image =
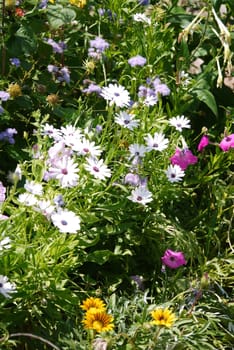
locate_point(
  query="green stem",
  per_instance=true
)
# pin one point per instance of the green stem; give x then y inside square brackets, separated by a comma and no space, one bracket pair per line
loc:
[30,335]
[2,34]
[155,338]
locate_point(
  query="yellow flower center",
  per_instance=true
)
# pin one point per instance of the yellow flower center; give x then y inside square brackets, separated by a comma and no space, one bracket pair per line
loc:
[98,325]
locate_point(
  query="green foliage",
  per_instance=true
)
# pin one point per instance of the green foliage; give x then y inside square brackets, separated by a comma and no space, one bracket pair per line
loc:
[116,253]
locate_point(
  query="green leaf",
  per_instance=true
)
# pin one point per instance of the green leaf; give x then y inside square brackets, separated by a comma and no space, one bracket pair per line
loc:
[208,98]
[23,41]
[100,256]
[59,16]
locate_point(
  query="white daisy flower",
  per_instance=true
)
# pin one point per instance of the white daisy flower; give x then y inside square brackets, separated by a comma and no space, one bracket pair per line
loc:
[58,151]
[141,195]
[87,148]
[97,168]
[71,135]
[116,94]
[66,221]
[5,243]
[126,120]
[141,17]
[137,150]
[6,287]
[33,187]
[27,199]
[158,142]
[150,100]
[51,131]
[180,122]
[175,173]
[184,78]
[45,207]
[64,170]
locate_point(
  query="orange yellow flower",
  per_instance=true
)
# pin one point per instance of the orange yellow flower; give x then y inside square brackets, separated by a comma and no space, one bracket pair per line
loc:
[93,304]
[78,3]
[163,317]
[99,321]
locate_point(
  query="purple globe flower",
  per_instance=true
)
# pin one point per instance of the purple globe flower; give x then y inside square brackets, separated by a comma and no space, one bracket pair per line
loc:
[173,259]
[15,61]
[137,61]
[8,135]
[4,96]
[57,47]
[92,88]
[99,44]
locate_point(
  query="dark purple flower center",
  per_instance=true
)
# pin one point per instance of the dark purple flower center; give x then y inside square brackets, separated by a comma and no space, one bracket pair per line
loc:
[126,121]
[173,175]
[172,258]
[1,285]
[64,222]
[228,139]
[64,171]
[96,169]
[155,145]
[139,198]
[116,94]
[86,150]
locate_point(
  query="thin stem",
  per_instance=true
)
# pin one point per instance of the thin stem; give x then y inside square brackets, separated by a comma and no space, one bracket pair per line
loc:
[155,338]
[2,33]
[30,335]
[228,233]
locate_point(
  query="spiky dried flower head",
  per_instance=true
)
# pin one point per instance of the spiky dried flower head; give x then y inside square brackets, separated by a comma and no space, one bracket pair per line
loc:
[52,99]
[14,90]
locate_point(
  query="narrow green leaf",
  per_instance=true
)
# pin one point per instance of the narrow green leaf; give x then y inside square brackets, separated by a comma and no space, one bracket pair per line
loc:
[208,98]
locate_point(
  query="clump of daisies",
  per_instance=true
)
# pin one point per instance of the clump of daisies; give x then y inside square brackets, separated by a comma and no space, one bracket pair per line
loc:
[70,152]
[154,143]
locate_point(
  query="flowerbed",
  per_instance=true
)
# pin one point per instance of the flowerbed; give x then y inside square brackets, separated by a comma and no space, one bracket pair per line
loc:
[116,184]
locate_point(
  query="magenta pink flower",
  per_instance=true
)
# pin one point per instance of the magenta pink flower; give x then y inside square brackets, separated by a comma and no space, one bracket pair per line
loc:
[183,158]
[203,143]
[173,259]
[227,143]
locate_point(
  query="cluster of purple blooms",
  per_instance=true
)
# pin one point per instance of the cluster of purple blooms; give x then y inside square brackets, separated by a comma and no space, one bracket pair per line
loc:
[15,61]
[60,74]
[97,48]
[91,88]
[150,93]
[58,47]
[137,60]
[8,135]
[4,96]
[43,4]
